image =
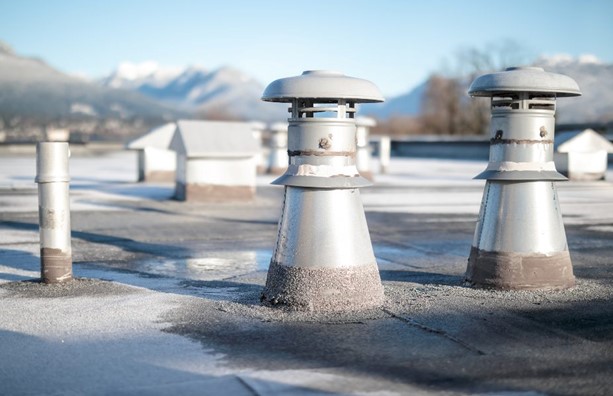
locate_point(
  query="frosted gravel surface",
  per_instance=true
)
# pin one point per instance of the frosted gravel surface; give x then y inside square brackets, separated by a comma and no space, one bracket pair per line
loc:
[167,299]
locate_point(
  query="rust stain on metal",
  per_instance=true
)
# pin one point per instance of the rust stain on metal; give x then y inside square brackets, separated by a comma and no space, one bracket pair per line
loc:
[324,143]
[515,271]
[56,265]
[306,153]
[519,141]
[543,132]
[50,218]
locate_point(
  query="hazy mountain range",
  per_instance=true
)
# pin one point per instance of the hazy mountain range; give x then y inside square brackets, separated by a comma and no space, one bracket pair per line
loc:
[31,88]
[224,92]
[595,80]
[234,93]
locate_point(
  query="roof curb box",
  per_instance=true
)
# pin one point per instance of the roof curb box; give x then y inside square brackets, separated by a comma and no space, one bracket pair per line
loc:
[216,161]
[582,155]
[156,162]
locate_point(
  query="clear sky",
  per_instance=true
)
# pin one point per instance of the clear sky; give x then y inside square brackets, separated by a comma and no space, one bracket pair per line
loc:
[394,43]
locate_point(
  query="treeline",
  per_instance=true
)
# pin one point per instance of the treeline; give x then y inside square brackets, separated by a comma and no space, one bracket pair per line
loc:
[446,108]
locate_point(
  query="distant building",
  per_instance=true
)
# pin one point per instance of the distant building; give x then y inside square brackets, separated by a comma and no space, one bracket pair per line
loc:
[362,155]
[278,158]
[258,129]
[582,155]
[156,162]
[57,134]
[215,161]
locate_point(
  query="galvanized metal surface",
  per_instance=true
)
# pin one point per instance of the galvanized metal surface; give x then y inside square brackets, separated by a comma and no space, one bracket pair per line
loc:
[323,229]
[322,154]
[520,217]
[521,145]
[520,242]
[524,79]
[52,162]
[323,258]
[324,85]
[53,210]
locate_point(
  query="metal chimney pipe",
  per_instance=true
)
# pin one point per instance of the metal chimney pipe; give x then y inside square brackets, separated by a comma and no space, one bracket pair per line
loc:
[520,242]
[363,157]
[323,259]
[278,159]
[53,211]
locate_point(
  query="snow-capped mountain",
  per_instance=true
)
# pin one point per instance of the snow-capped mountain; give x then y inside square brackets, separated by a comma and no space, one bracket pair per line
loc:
[224,92]
[30,88]
[595,80]
[132,75]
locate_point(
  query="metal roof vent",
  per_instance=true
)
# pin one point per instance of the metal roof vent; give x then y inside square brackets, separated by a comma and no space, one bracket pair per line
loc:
[520,241]
[323,260]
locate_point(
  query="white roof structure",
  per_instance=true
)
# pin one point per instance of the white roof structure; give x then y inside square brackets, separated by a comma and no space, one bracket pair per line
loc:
[584,141]
[279,126]
[214,139]
[159,137]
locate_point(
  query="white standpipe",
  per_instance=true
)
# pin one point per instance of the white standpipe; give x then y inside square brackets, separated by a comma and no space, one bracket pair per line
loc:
[385,149]
[53,211]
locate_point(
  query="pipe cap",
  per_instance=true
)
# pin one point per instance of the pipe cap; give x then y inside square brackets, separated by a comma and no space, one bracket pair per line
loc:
[524,79]
[52,162]
[326,85]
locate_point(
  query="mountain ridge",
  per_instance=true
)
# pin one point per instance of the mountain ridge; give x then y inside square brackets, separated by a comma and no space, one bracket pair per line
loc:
[35,97]
[30,87]
[595,79]
[222,92]
[34,93]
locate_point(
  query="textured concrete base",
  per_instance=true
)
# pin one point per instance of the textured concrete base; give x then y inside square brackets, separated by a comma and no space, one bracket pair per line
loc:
[160,176]
[323,289]
[514,271]
[213,193]
[55,265]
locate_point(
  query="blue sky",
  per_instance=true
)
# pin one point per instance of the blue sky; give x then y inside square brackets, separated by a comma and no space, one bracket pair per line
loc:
[396,44]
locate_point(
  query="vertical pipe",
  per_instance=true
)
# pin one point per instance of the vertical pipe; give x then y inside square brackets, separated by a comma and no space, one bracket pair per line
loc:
[53,211]
[362,156]
[141,162]
[278,158]
[385,148]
